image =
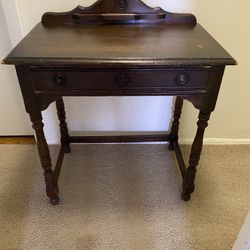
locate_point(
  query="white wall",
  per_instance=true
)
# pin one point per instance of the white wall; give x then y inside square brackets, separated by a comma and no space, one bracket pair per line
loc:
[228,21]
[231,120]
[14,120]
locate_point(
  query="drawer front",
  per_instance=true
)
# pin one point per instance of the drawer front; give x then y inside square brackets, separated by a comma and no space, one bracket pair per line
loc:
[118,79]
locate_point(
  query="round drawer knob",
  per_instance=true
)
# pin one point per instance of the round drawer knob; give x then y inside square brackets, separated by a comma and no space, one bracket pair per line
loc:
[59,79]
[182,78]
[122,4]
[122,79]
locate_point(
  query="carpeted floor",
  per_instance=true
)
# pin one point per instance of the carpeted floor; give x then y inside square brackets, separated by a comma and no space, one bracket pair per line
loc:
[123,197]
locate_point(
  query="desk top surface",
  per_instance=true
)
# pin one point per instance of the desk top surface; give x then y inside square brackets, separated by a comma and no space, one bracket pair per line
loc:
[119,44]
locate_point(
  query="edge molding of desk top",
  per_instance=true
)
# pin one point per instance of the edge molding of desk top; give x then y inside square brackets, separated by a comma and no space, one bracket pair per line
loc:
[120,33]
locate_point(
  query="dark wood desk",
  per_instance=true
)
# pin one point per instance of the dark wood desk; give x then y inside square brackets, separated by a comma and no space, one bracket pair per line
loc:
[118,48]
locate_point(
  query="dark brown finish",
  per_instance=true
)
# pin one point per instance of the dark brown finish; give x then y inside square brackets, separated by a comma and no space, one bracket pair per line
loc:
[43,150]
[180,159]
[118,48]
[118,12]
[175,124]
[119,138]
[113,46]
[83,81]
[59,162]
[63,125]
[188,182]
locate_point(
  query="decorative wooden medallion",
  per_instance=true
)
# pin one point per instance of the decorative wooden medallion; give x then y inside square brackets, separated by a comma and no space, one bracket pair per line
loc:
[122,5]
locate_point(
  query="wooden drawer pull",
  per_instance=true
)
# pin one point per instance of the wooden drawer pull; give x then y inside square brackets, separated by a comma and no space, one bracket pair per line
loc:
[182,78]
[60,79]
[122,79]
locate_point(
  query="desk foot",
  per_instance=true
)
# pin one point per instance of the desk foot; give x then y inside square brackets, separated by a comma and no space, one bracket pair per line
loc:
[51,187]
[67,149]
[171,146]
[54,201]
[172,140]
[185,196]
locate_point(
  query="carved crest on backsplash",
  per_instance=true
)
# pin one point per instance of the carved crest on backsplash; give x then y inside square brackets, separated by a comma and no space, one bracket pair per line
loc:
[118,11]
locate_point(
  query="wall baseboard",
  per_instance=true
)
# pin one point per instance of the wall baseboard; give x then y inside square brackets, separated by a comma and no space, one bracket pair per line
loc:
[188,141]
[218,141]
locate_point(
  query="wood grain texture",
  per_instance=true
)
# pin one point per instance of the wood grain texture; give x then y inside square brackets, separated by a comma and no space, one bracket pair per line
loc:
[119,45]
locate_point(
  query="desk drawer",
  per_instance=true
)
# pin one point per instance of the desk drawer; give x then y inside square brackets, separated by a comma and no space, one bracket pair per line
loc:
[120,79]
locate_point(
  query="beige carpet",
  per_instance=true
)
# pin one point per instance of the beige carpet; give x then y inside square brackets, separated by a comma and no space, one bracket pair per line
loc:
[123,197]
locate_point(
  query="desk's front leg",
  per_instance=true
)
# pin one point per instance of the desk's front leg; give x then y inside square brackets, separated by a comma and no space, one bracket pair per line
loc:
[189,178]
[63,125]
[43,149]
[173,137]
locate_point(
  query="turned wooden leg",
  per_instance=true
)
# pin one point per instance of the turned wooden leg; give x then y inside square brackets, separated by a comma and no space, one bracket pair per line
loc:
[173,137]
[43,149]
[63,125]
[189,178]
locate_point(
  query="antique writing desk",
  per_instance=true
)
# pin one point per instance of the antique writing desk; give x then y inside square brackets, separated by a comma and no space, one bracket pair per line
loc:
[118,48]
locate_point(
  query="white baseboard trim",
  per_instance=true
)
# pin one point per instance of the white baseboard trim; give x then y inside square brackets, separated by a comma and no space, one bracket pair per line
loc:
[188,141]
[207,141]
[218,141]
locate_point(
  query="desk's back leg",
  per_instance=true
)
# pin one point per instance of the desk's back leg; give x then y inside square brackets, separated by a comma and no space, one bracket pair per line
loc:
[43,150]
[189,178]
[63,125]
[173,137]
